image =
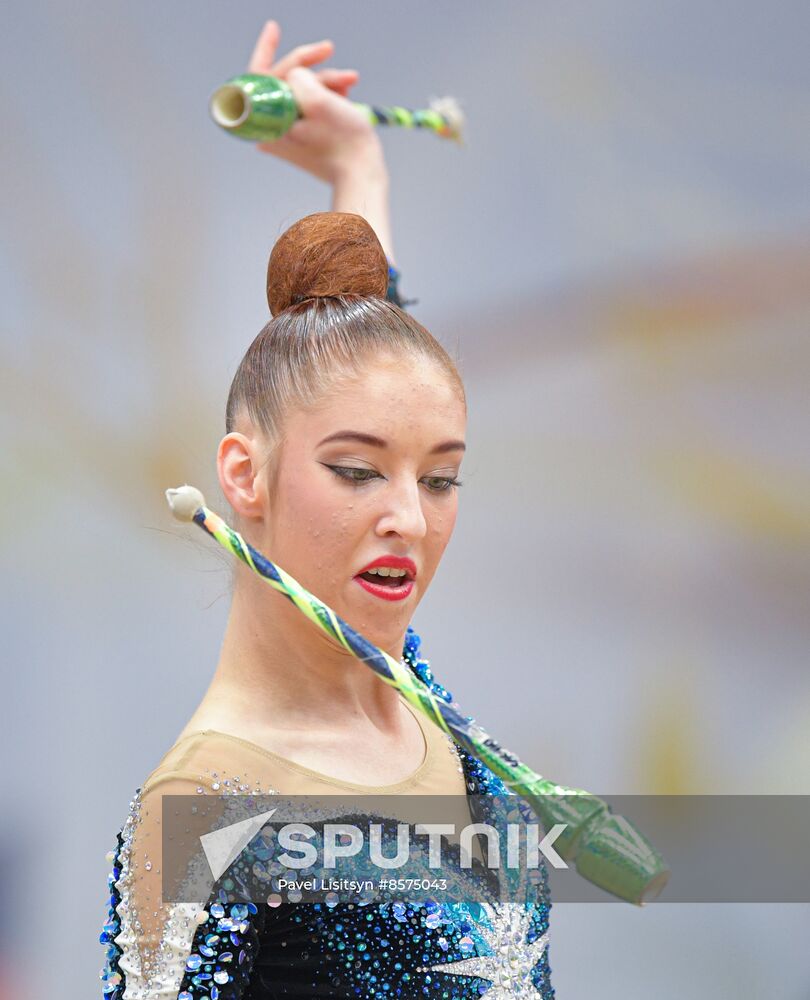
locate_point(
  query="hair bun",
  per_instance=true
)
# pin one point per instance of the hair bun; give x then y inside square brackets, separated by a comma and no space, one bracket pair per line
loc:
[326,253]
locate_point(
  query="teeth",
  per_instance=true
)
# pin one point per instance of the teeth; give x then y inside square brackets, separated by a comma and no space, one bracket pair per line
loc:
[388,571]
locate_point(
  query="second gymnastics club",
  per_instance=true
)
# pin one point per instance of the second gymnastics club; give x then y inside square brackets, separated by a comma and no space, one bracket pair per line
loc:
[605,849]
[262,108]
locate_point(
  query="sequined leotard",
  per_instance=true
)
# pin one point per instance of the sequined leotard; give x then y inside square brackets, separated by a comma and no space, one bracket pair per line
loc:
[232,950]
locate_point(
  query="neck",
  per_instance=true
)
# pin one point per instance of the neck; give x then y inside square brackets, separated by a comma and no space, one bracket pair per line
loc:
[277,670]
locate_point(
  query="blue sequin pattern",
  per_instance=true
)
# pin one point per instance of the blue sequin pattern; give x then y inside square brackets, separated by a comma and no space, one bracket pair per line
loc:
[111,975]
[411,656]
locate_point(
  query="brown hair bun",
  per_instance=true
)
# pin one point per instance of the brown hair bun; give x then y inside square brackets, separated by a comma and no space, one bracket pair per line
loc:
[326,253]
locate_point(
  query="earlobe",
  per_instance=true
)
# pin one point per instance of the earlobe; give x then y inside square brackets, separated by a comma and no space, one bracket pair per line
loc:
[237,467]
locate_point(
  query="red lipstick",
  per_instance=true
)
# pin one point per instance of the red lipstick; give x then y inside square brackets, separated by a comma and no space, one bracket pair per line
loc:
[393,588]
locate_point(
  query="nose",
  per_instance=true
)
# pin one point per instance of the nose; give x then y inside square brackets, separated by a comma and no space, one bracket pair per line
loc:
[402,513]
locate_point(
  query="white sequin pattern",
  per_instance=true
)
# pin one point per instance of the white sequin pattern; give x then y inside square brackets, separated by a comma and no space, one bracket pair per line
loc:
[158,972]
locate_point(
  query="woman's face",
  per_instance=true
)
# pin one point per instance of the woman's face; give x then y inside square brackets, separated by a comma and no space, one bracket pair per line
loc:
[366,480]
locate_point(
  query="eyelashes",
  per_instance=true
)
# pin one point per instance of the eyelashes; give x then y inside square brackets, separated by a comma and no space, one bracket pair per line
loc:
[358,476]
[440,484]
[353,474]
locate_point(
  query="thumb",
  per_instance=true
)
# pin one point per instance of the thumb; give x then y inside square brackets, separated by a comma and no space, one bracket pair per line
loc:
[310,94]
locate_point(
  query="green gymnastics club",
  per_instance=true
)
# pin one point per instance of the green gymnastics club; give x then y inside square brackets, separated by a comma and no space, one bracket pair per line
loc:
[262,108]
[606,849]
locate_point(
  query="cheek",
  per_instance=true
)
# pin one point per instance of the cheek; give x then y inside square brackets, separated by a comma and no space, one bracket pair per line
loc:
[440,527]
[316,527]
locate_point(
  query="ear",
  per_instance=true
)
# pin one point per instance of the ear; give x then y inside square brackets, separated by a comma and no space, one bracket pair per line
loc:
[238,464]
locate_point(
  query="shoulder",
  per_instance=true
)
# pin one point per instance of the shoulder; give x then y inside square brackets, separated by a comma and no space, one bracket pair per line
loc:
[205,762]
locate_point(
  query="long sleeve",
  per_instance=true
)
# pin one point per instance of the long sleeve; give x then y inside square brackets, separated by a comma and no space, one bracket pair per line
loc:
[159,950]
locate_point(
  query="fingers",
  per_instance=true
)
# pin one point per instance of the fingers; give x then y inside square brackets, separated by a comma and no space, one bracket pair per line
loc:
[312,96]
[304,55]
[322,103]
[308,91]
[265,51]
[338,80]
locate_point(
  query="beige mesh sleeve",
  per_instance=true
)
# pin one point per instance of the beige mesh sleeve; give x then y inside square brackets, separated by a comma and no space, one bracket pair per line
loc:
[156,935]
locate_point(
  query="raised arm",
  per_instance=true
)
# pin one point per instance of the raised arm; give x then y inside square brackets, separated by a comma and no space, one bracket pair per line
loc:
[333,141]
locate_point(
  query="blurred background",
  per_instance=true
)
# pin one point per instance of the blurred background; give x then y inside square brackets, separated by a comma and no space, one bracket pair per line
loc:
[620,256]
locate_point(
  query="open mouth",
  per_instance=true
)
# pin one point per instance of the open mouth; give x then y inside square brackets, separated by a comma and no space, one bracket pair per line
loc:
[386,577]
[391,583]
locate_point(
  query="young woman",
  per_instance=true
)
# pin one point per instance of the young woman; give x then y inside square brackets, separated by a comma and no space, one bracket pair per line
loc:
[345,429]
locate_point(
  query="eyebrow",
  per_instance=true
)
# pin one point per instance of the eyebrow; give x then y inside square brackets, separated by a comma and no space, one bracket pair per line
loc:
[377,442]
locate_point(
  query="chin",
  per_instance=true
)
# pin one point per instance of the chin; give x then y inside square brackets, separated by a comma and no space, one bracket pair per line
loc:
[385,626]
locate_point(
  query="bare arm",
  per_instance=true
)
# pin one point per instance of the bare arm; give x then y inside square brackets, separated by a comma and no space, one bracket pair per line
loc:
[362,187]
